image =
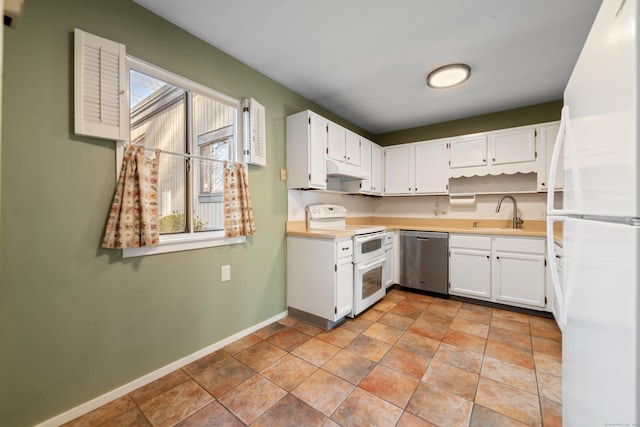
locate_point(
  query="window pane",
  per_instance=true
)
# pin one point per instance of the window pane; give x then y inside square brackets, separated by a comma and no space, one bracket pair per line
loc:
[213,129]
[158,121]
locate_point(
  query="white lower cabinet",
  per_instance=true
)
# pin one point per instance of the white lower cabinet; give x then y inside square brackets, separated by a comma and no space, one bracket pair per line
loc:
[320,279]
[506,270]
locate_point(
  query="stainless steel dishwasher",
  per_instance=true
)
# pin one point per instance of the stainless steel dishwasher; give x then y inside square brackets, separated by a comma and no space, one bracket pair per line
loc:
[424,261]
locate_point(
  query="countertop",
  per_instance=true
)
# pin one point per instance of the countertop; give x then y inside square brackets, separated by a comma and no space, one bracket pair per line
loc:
[530,227]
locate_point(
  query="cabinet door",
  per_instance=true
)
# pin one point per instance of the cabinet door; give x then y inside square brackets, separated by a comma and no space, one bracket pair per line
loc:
[343,288]
[398,169]
[317,152]
[336,136]
[430,171]
[512,146]
[366,185]
[352,149]
[389,271]
[376,169]
[547,136]
[468,151]
[470,272]
[519,278]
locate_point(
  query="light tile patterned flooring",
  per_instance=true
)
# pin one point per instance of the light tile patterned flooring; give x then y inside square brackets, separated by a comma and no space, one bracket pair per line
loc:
[410,360]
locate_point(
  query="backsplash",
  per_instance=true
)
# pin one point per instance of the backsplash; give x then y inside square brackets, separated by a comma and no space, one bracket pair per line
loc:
[530,205]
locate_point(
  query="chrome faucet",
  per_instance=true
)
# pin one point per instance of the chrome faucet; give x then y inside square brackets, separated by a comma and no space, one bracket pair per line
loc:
[517,222]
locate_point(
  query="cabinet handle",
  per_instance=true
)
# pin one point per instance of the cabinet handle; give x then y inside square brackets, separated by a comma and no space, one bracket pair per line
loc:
[543,184]
[493,160]
[497,257]
[488,257]
[484,160]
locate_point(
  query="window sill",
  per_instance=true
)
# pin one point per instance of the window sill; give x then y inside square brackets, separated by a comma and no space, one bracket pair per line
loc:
[183,243]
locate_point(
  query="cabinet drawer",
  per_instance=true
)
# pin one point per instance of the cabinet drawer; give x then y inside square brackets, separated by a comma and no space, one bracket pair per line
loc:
[344,249]
[470,242]
[512,244]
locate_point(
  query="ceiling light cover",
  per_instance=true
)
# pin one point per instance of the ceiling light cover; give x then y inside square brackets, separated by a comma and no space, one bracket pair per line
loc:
[448,76]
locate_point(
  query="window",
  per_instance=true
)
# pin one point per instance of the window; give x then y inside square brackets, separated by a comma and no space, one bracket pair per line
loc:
[122,98]
[179,116]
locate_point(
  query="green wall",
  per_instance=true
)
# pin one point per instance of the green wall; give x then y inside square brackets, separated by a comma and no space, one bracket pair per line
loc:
[540,113]
[76,320]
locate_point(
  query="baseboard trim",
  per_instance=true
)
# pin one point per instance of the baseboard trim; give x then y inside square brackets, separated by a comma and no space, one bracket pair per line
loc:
[158,373]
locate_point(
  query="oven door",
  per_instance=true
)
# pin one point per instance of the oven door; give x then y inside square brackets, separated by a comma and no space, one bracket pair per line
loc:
[368,246]
[368,285]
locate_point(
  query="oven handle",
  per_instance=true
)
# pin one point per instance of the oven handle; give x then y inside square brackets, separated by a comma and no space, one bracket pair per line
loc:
[371,264]
[364,239]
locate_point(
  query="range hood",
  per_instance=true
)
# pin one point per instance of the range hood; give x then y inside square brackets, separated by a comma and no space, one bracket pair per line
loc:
[345,171]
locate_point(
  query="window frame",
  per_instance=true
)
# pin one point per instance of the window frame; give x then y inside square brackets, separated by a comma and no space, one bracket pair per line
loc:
[190,239]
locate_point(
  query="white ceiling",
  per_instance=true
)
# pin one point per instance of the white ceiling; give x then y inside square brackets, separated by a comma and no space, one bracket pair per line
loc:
[367,60]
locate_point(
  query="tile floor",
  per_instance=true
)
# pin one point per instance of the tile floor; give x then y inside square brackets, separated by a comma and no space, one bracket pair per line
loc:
[410,360]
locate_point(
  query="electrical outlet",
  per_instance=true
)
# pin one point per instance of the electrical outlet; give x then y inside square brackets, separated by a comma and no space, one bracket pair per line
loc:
[225,273]
[283,174]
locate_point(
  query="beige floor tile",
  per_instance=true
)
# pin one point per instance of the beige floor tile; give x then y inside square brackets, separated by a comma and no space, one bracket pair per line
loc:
[551,413]
[222,377]
[429,330]
[214,414]
[510,374]
[547,346]
[463,340]
[323,391]
[316,351]
[288,339]
[550,387]
[349,366]
[440,308]
[484,417]
[242,344]
[368,347]
[289,371]
[406,309]
[460,358]
[176,404]
[510,337]
[509,401]
[358,324]
[131,418]
[269,330]
[260,356]
[423,346]
[396,321]
[383,333]
[545,330]
[501,322]
[439,406]
[373,314]
[470,327]
[364,409]
[104,413]
[308,328]
[548,364]
[159,386]
[511,315]
[405,361]
[291,411]
[452,379]
[510,353]
[252,398]
[339,336]
[384,305]
[390,385]
[475,315]
[409,420]
[204,363]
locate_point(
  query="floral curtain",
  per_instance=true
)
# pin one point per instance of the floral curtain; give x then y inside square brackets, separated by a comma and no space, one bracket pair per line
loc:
[133,218]
[238,214]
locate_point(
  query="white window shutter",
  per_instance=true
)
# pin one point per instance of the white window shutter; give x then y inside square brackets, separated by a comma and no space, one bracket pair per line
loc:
[100,84]
[255,138]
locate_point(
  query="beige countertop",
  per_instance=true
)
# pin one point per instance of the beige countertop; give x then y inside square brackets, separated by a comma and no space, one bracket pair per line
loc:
[530,227]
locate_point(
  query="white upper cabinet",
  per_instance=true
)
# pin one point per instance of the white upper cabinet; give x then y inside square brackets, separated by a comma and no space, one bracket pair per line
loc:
[506,151]
[343,145]
[547,136]
[398,169]
[430,168]
[306,151]
[512,146]
[371,163]
[418,168]
[468,151]
[376,170]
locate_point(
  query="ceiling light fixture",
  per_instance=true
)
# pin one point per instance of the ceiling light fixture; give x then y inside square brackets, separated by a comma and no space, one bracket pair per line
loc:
[448,76]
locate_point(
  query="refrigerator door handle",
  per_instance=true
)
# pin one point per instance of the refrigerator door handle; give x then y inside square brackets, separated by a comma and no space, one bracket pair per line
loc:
[564,133]
[553,265]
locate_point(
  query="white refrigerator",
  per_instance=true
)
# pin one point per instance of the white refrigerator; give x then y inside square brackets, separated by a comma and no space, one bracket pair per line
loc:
[598,292]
